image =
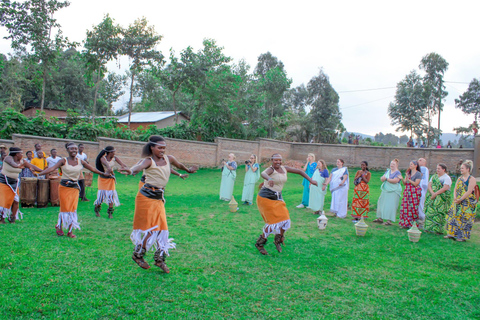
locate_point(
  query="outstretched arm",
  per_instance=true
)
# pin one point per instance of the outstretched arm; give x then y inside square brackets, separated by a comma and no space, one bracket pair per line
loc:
[93,169]
[178,174]
[51,169]
[302,173]
[181,166]
[140,166]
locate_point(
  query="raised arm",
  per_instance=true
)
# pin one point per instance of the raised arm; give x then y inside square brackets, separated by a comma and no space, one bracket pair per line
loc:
[302,173]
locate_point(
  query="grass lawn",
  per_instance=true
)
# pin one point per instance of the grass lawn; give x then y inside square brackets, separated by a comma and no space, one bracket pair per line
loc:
[216,272]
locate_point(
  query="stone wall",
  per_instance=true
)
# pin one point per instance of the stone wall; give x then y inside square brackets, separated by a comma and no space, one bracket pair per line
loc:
[208,154]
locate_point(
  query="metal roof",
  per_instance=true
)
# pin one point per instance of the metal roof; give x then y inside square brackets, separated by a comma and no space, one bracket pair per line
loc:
[147,116]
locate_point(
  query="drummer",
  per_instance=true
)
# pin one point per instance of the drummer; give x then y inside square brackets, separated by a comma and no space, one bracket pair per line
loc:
[12,166]
[69,189]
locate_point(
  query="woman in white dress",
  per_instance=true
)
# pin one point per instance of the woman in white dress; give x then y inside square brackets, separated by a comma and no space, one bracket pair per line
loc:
[339,184]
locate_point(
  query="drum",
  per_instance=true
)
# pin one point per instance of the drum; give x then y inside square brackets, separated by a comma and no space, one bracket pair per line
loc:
[88,179]
[54,197]
[43,193]
[28,192]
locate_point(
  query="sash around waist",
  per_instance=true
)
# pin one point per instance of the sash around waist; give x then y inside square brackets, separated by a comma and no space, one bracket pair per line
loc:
[152,192]
[270,194]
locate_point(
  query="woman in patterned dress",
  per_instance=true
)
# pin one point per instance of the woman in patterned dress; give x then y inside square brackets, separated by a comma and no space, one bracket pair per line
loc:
[411,195]
[461,216]
[438,200]
[360,204]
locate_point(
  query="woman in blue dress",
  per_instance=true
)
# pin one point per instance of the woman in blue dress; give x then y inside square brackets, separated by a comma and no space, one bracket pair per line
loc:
[309,169]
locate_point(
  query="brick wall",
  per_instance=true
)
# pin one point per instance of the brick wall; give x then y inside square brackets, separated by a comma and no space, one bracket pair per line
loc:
[208,154]
[26,143]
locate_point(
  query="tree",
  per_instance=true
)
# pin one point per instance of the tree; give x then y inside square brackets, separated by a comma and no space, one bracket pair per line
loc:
[179,71]
[325,112]
[111,89]
[30,25]
[435,66]
[139,41]
[273,82]
[101,46]
[409,106]
[469,101]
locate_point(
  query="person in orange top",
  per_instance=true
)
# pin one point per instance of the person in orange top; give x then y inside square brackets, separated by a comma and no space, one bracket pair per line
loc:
[40,162]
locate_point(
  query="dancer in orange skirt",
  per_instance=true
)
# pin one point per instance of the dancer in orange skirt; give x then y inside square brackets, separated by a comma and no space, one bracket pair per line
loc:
[68,191]
[271,205]
[12,166]
[150,227]
[361,203]
[105,161]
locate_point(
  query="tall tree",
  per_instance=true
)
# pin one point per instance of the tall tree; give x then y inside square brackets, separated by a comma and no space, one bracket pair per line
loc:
[30,25]
[469,101]
[101,46]
[325,112]
[435,66]
[139,42]
[111,89]
[409,107]
[273,81]
[178,72]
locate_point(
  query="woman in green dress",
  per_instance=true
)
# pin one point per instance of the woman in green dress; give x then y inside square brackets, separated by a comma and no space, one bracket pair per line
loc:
[252,174]
[389,200]
[229,174]
[438,200]
[317,193]
[461,216]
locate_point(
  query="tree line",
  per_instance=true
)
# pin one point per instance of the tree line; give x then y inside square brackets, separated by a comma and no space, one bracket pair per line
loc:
[418,99]
[221,97]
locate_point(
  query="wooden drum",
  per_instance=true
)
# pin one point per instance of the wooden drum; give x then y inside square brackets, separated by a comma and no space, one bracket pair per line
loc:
[28,192]
[54,197]
[43,193]
[88,179]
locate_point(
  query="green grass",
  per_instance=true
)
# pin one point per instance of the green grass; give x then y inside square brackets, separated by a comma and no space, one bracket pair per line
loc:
[216,272]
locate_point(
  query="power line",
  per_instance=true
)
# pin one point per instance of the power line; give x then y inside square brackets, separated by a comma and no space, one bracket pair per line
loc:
[360,104]
[366,90]
[457,82]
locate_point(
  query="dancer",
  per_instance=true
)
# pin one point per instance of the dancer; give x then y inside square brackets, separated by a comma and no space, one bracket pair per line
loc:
[461,216]
[252,174]
[271,205]
[69,189]
[150,222]
[309,169]
[229,174]
[339,184]
[411,195]
[361,203]
[317,193]
[438,200]
[12,166]
[424,185]
[105,161]
[389,200]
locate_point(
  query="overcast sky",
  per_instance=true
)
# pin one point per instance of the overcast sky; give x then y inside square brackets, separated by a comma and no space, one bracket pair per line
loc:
[360,44]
